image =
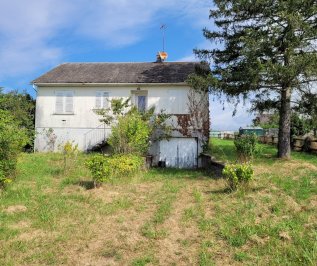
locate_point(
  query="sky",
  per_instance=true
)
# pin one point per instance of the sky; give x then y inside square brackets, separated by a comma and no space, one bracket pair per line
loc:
[37,35]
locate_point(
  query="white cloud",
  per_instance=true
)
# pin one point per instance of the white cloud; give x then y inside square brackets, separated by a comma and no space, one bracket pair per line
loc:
[29,29]
[26,27]
[222,119]
[188,58]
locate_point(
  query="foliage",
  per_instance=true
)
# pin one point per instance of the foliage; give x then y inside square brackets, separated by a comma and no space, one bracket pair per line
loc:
[4,180]
[238,175]
[307,143]
[12,140]
[299,125]
[130,135]
[308,108]
[117,109]
[272,121]
[267,52]
[70,151]
[132,130]
[246,146]
[21,107]
[103,168]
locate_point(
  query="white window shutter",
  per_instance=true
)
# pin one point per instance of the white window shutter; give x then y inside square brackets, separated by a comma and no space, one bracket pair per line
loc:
[59,102]
[69,102]
[98,99]
[105,99]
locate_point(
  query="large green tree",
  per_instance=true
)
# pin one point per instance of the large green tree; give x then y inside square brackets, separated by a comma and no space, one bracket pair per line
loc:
[265,48]
[21,106]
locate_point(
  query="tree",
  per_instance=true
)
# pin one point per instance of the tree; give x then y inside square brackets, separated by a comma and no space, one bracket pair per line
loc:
[266,49]
[12,140]
[308,108]
[132,130]
[21,106]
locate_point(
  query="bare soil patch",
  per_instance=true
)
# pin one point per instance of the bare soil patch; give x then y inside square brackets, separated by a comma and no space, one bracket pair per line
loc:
[16,208]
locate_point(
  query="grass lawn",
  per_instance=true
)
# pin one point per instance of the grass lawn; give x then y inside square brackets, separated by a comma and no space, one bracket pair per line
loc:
[160,217]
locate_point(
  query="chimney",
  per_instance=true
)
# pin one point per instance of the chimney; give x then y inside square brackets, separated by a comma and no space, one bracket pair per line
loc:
[161,57]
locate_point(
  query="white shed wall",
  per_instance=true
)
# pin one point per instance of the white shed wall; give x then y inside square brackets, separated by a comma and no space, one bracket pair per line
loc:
[179,152]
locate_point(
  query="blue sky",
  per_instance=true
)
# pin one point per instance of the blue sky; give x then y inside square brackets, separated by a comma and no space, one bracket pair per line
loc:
[36,35]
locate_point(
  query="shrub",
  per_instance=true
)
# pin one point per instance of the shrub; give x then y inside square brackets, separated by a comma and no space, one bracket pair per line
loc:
[70,151]
[12,140]
[103,168]
[130,135]
[238,175]
[246,146]
[4,180]
[133,130]
[21,107]
[307,143]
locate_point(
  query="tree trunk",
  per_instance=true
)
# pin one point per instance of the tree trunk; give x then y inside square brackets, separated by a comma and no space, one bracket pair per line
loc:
[284,134]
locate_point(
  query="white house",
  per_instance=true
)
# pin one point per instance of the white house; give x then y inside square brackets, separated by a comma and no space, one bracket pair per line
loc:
[68,95]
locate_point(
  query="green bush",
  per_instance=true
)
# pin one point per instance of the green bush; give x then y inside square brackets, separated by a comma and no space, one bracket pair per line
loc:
[104,168]
[133,130]
[3,180]
[130,135]
[238,175]
[69,150]
[246,146]
[12,139]
[21,106]
[307,143]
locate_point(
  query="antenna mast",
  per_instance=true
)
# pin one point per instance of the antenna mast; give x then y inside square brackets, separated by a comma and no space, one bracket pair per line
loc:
[163,28]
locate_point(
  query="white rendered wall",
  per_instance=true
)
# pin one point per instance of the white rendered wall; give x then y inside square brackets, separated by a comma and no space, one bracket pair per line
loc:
[76,127]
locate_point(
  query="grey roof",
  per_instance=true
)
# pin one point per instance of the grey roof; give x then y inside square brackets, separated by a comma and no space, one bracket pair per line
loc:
[167,72]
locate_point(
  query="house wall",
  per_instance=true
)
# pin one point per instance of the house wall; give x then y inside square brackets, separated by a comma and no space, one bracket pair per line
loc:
[83,126]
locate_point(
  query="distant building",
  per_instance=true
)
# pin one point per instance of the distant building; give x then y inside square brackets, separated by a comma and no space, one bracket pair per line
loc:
[259,131]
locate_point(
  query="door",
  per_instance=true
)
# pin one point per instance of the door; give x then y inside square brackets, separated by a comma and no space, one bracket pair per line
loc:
[179,152]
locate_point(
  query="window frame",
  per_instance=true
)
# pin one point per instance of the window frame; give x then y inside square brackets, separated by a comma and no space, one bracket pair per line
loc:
[135,95]
[63,103]
[103,104]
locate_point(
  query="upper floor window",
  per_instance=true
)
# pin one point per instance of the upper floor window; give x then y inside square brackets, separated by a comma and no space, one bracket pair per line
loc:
[64,102]
[140,100]
[177,102]
[102,99]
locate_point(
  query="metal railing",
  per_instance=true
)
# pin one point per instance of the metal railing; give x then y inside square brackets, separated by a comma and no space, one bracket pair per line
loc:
[96,136]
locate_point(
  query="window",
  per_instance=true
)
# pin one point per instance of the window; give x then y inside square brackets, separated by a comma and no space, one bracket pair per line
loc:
[141,103]
[177,102]
[64,102]
[140,100]
[102,99]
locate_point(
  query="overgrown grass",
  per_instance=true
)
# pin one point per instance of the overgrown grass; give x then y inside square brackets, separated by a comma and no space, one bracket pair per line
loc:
[162,216]
[279,216]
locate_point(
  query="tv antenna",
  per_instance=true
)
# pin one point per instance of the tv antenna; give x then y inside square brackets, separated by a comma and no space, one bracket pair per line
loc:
[163,29]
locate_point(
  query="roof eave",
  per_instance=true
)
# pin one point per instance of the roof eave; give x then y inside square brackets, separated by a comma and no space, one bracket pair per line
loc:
[87,84]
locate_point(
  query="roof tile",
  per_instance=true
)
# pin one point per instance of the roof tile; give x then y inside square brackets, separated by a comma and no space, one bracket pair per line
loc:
[167,72]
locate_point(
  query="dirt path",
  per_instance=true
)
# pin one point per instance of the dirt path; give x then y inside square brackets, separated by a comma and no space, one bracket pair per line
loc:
[116,238]
[180,246]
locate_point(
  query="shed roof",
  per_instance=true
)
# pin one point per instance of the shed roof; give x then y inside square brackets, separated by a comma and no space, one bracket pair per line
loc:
[167,72]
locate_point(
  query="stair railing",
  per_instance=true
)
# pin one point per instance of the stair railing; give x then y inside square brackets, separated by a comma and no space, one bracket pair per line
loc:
[96,136]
